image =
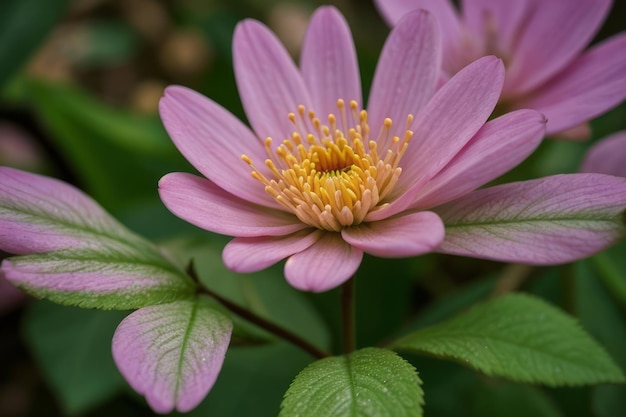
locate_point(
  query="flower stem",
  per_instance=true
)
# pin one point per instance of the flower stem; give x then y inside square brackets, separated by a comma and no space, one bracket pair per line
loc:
[347,316]
[267,325]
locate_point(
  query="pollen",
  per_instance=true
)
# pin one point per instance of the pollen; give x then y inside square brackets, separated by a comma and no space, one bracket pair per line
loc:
[331,174]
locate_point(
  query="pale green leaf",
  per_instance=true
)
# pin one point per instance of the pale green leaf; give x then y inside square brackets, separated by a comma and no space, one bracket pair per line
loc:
[369,382]
[519,337]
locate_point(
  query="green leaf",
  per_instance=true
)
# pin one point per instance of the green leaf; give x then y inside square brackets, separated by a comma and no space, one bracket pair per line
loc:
[369,382]
[501,398]
[610,267]
[73,349]
[24,24]
[601,315]
[519,337]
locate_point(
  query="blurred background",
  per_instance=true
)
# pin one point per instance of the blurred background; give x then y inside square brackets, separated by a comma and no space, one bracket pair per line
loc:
[79,87]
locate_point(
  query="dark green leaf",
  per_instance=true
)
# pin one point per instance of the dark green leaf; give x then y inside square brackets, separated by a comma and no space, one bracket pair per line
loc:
[519,337]
[73,349]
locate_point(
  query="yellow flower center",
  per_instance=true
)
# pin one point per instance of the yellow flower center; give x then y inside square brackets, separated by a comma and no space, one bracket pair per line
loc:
[331,175]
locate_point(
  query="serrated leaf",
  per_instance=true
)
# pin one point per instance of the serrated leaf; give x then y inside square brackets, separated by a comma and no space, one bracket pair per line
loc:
[545,221]
[73,350]
[519,337]
[369,382]
[78,254]
[172,353]
[23,25]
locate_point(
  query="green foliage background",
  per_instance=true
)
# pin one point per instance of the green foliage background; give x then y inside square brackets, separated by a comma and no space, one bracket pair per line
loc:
[82,78]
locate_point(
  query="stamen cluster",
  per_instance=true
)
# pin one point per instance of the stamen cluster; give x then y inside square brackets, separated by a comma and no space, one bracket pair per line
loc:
[332,175]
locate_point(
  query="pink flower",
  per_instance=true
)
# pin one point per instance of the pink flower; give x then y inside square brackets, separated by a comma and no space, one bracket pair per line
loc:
[542,45]
[331,181]
[607,156]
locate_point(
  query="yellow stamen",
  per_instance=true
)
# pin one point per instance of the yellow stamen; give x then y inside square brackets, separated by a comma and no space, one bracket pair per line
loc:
[330,176]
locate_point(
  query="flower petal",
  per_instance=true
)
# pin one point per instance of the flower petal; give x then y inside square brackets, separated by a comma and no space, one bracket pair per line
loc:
[40,214]
[456,112]
[213,140]
[608,156]
[269,83]
[326,264]
[443,11]
[407,72]
[202,203]
[172,353]
[554,34]
[409,235]
[592,84]
[328,63]
[499,145]
[546,221]
[251,254]
[496,21]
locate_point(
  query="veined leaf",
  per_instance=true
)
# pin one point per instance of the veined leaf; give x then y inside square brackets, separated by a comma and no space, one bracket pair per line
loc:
[369,382]
[172,353]
[93,279]
[519,337]
[546,221]
[78,254]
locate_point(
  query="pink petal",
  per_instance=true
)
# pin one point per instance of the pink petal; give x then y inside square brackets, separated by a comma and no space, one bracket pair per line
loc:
[443,11]
[172,353]
[407,72]
[269,83]
[498,22]
[592,84]
[251,254]
[41,214]
[546,221]
[202,203]
[409,235]
[213,140]
[499,146]
[453,116]
[329,64]
[607,156]
[554,34]
[326,264]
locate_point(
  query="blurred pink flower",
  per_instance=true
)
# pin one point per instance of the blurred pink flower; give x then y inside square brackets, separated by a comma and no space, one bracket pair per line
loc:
[607,156]
[326,189]
[542,44]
